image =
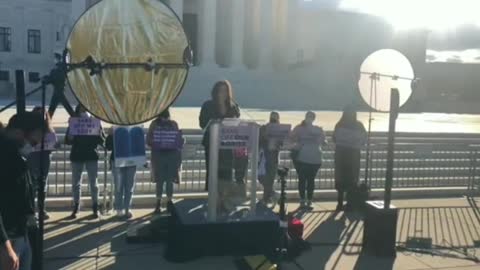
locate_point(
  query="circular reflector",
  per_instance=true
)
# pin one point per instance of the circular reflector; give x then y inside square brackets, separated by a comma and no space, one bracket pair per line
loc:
[380,72]
[139,47]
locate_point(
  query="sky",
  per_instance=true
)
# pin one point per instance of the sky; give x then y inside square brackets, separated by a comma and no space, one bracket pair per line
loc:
[454,25]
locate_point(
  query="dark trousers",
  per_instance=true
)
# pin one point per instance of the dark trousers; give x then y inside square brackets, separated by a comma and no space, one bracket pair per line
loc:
[341,196]
[271,167]
[306,179]
[57,98]
[241,167]
[225,165]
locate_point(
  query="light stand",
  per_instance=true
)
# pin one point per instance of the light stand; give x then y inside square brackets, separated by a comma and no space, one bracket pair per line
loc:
[373,90]
[380,221]
[380,224]
[41,187]
[374,78]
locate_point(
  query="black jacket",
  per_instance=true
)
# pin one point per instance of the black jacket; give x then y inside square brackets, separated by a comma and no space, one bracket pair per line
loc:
[84,148]
[16,191]
[209,112]
[109,146]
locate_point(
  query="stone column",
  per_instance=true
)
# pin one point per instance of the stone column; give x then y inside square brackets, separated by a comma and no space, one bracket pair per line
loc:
[265,39]
[207,32]
[280,31]
[238,33]
[292,31]
[177,6]
[78,7]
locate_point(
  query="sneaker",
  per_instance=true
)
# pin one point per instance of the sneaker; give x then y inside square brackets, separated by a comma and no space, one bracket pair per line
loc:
[157,207]
[120,213]
[339,208]
[46,216]
[170,206]
[128,215]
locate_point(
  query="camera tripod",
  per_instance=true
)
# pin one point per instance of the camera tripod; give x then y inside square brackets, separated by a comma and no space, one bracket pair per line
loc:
[281,253]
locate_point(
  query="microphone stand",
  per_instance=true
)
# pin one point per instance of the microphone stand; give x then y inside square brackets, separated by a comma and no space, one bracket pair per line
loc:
[281,252]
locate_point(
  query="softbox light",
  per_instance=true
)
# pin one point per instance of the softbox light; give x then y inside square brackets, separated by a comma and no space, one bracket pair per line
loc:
[129,60]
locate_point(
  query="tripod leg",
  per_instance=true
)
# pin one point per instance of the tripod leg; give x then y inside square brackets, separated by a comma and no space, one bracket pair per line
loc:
[53,104]
[67,105]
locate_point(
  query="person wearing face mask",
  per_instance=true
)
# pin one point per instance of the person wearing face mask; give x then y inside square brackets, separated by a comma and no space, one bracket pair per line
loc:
[16,192]
[84,155]
[308,140]
[271,151]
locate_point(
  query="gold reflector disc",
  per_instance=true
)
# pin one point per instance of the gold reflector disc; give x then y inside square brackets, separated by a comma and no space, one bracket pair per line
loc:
[128,31]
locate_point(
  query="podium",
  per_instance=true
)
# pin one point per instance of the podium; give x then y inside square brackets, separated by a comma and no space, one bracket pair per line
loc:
[199,227]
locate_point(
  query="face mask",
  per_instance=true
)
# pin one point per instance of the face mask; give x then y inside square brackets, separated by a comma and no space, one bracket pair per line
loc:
[26,150]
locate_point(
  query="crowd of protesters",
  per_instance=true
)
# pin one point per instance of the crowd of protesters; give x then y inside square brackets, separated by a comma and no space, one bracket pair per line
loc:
[26,165]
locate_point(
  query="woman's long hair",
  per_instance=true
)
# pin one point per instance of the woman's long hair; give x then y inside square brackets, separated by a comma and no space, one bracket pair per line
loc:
[77,109]
[349,116]
[165,115]
[216,91]
[48,119]
[164,119]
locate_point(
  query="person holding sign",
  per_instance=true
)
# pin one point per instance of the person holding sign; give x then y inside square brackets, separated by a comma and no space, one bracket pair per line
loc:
[39,158]
[166,141]
[270,144]
[84,134]
[220,106]
[349,137]
[124,179]
[308,140]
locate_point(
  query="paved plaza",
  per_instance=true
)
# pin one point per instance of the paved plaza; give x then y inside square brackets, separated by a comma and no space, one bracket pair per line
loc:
[453,225]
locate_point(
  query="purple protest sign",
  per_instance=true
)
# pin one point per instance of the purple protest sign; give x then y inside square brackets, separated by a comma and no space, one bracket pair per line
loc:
[350,138]
[278,131]
[167,139]
[85,126]
[50,142]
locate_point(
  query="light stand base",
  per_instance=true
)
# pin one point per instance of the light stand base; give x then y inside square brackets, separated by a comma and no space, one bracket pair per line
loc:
[380,229]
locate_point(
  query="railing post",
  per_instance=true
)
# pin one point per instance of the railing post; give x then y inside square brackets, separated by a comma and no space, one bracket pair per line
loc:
[254,162]
[213,171]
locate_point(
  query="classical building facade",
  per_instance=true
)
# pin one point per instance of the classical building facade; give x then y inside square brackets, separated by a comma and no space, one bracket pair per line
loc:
[30,32]
[227,36]
[278,54]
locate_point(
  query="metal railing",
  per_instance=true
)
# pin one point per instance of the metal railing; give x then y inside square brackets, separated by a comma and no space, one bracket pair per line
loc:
[444,163]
